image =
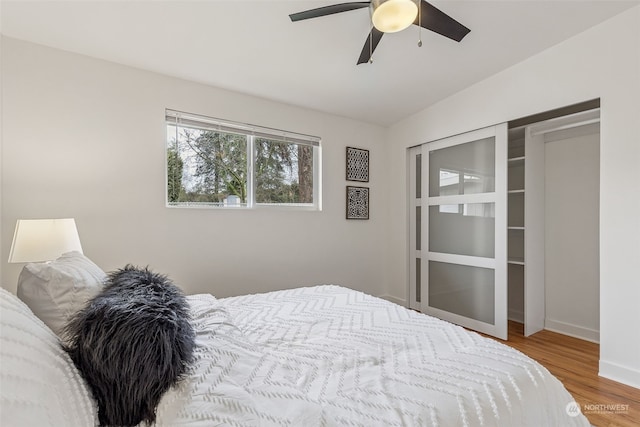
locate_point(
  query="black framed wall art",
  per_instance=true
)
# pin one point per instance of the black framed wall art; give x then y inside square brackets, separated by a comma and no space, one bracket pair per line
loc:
[357,202]
[357,164]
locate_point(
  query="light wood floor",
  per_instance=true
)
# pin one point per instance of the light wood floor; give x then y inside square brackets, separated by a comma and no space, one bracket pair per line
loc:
[575,363]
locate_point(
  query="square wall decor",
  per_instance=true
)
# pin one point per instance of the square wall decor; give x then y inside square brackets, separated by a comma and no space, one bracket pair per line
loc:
[357,164]
[357,202]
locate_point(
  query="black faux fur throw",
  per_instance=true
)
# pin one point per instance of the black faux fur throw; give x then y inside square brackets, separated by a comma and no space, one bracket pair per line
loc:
[131,343]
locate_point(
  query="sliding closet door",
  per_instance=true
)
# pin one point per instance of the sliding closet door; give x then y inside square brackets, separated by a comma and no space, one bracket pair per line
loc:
[463,230]
[414,198]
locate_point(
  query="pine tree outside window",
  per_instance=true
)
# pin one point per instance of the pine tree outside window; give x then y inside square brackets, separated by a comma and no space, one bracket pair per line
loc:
[222,164]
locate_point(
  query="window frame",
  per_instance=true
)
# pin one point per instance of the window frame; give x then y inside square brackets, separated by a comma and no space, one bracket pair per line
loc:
[251,132]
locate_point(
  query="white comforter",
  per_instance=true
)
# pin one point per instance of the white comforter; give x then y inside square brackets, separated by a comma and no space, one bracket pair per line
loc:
[330,356]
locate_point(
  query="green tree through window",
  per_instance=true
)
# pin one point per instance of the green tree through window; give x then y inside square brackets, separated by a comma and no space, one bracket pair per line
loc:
[284,172]
[209,167]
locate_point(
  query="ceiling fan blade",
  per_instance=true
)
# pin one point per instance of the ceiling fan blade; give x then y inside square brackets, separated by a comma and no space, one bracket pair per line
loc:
[432,18]
[370,45]
[328,10]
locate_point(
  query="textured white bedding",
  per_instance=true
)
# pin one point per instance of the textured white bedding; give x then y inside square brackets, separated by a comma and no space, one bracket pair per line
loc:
[39,384]
[330,356]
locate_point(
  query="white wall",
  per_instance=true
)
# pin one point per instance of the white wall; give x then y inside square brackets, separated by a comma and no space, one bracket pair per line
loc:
[85,138]
[572,268]
[603,62]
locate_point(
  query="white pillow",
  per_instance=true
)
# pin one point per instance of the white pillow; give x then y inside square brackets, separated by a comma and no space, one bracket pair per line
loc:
[40,384]
[55,291]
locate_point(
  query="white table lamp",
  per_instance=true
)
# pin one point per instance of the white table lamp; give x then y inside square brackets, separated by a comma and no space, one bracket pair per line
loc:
[39,240]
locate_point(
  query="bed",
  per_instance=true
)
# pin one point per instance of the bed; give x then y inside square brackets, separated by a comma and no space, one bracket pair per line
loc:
[312,356]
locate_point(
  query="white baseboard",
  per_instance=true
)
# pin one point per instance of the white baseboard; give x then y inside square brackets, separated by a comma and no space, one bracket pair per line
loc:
[393,299]
[516,315]
[572,330]
[621,374]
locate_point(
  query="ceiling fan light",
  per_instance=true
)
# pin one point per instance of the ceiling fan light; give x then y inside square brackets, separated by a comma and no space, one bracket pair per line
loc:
[390,16]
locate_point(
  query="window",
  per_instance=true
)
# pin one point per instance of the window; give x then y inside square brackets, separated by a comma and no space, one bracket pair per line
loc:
[215,163]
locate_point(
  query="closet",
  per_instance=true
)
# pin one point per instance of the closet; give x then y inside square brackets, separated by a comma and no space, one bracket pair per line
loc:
[553,179]
[485,237]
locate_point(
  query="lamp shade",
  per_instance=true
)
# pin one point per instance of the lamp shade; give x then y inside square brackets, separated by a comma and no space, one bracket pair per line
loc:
[390,16]
[37,240]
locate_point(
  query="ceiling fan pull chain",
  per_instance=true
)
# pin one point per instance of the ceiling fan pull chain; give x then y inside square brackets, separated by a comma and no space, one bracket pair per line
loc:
[419,24]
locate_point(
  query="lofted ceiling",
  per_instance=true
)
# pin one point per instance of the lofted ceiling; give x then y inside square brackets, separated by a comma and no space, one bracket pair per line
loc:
[252,47]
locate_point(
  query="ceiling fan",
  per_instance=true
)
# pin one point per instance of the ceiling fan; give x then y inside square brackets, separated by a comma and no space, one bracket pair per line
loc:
[390,16]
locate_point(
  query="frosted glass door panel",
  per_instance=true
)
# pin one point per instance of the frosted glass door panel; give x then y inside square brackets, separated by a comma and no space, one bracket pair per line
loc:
[463,169]
[464,229]
[418,279]
[462,289]
[418,176]
[418,228]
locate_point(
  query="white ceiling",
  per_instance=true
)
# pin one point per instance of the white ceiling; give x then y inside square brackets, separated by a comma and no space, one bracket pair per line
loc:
[253,47]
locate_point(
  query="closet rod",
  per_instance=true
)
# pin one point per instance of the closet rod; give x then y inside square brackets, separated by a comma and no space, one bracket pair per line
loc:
[567,126]
[566,122]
